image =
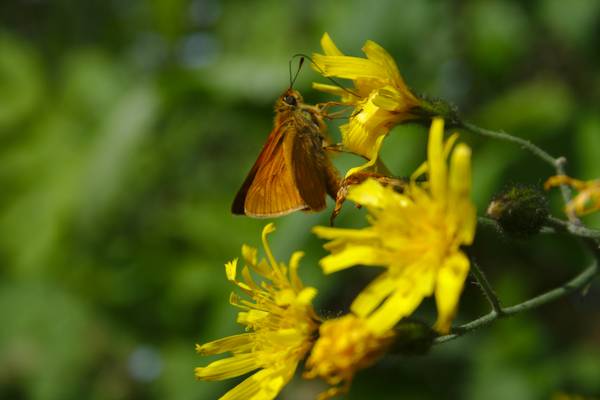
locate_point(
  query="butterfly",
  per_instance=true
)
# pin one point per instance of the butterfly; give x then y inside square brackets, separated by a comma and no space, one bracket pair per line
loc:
[293,171]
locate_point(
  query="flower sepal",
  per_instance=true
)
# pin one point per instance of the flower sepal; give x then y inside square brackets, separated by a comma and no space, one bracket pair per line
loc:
[412,337]
[431,107]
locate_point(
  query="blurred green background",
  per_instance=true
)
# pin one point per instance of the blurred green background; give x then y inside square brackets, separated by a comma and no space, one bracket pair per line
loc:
[126,127]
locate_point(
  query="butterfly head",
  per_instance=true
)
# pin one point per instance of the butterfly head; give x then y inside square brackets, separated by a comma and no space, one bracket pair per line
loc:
[290,100]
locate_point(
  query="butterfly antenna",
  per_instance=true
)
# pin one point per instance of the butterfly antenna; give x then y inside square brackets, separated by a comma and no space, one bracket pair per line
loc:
[290,71]
[318,68]
[293,80]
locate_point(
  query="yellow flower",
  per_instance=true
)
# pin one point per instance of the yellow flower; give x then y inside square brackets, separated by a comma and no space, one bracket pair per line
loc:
[345,345]
[280,322]
[415,235]
[586,201]
[380,96]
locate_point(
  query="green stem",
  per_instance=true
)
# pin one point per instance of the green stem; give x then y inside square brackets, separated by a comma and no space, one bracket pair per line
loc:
[566,190]
[572,228]
[557,163]
[577,283]
[554,225]
[486,287]
[526,144]
[590,237]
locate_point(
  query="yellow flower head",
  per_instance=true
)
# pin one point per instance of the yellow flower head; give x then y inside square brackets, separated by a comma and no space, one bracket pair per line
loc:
[381,98]
[415,235]
[280,322]
[345,345]
[586,201]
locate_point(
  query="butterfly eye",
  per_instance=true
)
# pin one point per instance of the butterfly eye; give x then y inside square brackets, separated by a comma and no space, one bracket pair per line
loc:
[291,100]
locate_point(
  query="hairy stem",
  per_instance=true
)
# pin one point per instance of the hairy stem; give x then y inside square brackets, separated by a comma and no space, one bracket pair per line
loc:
[526,144]
[557,163]
[486,287]
[577,283]
[574,227]
[553,225]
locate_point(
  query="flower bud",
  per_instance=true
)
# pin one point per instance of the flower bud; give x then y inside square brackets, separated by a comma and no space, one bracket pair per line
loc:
[520,210]
[412,338]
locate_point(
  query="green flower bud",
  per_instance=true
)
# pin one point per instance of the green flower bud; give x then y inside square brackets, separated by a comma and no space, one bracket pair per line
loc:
[520,210]
[412,338]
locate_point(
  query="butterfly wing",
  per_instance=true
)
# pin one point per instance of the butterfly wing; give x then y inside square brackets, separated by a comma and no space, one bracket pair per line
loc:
[269,189]
[310,165]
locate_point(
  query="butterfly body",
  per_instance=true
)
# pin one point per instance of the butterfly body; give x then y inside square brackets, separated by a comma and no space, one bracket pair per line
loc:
[293,171]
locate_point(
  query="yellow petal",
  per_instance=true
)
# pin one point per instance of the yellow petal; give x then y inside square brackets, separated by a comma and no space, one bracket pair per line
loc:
[230,343]
[263,385]
[450,282]
[361,134]
[378,54]
[329,47]
[460,193]
[362,167]
[249,281]
[327,232]
[284,297]
[371,296]
[374,195]
[399,305]
[269,228]
[238,364]
[352,255]
[346,96]
[460,172]
[437,163]
[295,280]
[348,67]
[307,295]
[558,180]
[421,169]
[358,140]
[230,270]
[263,269]
[249,254]
[251,317]
[389,99]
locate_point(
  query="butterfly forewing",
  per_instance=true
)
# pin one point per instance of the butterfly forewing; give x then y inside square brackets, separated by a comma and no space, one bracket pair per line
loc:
[270,190]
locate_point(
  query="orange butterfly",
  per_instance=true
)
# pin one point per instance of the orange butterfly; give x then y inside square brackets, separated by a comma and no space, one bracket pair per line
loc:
[293,171]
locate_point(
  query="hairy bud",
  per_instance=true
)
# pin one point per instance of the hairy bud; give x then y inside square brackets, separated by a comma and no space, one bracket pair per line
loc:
[520,210]
[412,338]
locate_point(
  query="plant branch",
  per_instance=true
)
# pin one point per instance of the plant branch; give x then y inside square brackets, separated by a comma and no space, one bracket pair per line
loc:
[557,163]
[577,283]
[486,287]
[575,229]
[500,135]
[589,236]
[554,225]
[566,190]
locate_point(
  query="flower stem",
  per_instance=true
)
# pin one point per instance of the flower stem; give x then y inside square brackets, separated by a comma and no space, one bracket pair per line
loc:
[500,135]
[577,283]
[572,228]
[557,163]
[486,287]
[554,225]
[589,236]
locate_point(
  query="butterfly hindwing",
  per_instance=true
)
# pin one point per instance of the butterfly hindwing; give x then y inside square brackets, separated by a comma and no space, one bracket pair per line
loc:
[308,159]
